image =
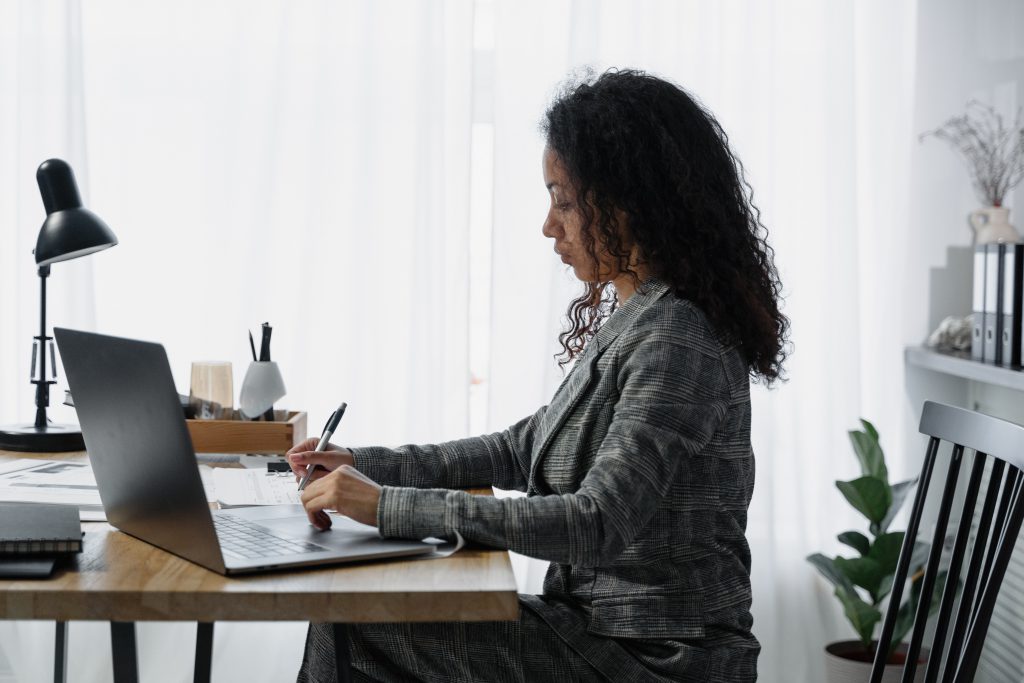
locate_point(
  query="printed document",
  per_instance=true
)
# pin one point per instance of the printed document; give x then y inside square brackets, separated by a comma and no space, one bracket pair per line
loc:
[234,487]
[67,482]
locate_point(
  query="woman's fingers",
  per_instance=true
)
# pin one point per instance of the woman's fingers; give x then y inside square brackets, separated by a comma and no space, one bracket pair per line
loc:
[316,502]
[299,460]
[346,490]
[307,445]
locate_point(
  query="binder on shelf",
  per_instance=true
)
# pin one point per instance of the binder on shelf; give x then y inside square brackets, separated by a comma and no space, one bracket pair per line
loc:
[978,327]
[1010,310]
[34,528]
[990,327]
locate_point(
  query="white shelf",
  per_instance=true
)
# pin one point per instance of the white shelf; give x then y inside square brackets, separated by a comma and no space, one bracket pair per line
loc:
[961,365]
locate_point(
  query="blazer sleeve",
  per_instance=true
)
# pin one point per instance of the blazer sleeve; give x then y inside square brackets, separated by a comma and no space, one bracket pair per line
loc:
[501,459]
[673,397]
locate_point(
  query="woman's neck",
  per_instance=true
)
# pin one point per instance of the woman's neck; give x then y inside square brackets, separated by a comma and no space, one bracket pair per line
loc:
[625,285]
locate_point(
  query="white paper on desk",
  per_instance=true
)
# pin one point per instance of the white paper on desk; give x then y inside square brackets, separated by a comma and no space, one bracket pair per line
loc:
[235,487]
[66,482]
[50,481]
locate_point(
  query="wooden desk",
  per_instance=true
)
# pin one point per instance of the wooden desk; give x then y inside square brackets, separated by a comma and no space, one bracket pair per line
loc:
[120,579]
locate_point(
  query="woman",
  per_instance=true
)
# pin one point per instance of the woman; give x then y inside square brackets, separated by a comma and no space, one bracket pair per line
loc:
[639,473]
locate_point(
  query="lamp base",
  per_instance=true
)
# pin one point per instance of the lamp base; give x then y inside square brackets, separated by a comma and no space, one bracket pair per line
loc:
[53,438]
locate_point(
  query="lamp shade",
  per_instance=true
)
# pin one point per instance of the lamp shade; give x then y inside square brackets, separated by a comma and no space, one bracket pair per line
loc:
[70,230]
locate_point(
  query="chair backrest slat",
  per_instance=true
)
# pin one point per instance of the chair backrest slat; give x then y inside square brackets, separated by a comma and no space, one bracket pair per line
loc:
[963,534]
[967,605]
[987,601]
[931,571]
[997,530]
[963,617]
[903,564]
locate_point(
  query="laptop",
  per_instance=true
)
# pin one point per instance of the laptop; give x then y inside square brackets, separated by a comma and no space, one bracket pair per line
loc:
[149,481]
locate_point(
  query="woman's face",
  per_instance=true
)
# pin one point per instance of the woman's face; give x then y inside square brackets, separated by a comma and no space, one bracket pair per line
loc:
[564,224]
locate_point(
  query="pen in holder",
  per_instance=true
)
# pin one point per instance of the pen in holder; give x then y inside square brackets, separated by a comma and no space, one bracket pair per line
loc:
[262,386]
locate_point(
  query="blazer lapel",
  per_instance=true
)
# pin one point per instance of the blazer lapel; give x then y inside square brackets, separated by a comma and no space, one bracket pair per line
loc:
[578,379]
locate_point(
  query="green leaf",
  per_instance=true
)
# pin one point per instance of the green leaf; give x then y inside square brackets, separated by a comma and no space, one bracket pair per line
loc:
[862,571]
[827,567]
[870,495]
[899,495]
[886,552]
[855,540]
[904,622]
[918,559]
[869,452]
[885,586]
[870,429]
[862,616]
[908,610]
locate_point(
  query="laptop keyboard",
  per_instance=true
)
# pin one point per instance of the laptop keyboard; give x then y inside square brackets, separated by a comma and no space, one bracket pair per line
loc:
[244,540]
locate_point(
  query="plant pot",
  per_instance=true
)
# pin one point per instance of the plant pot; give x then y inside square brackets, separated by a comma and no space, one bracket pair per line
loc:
[847,662]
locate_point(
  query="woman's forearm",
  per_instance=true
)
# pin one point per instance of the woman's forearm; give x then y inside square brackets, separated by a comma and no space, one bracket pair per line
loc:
[501,459]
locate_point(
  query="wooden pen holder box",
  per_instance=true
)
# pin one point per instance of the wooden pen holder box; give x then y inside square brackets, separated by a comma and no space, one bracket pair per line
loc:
[239,435]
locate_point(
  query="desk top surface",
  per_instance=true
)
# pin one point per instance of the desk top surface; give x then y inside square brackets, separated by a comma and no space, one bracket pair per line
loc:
[120,578]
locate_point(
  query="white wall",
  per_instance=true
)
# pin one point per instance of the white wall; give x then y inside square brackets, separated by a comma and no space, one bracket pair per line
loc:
[966,49]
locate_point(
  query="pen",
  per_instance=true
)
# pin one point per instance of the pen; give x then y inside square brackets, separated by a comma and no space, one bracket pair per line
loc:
[265,344]
[332,424]
[268,415]
[252,346]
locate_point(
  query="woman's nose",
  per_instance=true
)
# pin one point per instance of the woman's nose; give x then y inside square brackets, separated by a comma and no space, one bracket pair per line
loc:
[550,227]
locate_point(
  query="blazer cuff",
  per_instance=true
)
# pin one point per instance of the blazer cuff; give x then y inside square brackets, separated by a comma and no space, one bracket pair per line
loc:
[411,513]
[362,460]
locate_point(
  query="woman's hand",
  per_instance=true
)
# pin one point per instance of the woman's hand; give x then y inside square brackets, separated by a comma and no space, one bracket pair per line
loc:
[329,459]
[346,490]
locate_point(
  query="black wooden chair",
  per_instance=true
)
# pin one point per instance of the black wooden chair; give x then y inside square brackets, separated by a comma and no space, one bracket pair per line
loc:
[960,633]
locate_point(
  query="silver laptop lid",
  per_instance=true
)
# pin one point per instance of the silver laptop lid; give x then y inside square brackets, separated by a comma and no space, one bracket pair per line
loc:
[138,443]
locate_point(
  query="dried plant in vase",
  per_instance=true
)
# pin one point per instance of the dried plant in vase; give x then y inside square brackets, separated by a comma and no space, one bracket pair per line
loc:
[994,153]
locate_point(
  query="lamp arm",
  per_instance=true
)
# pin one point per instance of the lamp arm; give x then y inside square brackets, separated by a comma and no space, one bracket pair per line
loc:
[42,384]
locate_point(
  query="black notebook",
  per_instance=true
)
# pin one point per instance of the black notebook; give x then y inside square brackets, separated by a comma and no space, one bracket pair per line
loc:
[30,528]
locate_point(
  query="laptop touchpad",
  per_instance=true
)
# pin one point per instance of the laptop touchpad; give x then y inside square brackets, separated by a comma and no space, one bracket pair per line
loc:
[290,521]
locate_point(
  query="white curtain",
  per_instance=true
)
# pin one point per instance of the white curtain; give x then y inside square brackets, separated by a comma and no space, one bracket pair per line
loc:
[330,167]
[305,164]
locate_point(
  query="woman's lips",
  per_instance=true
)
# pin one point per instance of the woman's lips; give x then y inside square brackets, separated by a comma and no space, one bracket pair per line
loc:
[565,258]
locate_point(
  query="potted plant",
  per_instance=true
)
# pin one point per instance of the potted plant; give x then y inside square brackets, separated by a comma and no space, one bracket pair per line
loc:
[863,582]
[994,153]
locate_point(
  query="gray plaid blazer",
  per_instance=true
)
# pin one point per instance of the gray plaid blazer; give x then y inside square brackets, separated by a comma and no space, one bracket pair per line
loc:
[638,476]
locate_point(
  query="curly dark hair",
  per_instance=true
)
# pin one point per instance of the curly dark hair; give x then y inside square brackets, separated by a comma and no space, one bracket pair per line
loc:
[641,145]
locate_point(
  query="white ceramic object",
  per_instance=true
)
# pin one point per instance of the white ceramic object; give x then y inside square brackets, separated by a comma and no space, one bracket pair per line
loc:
[840,669]
[261,388]
[992,225]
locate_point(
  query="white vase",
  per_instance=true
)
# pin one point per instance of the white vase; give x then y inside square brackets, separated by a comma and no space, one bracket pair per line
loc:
[262,386]
[840,668]
[992,224]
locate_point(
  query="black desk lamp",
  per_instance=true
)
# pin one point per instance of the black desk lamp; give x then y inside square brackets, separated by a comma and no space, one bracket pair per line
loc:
[69,231]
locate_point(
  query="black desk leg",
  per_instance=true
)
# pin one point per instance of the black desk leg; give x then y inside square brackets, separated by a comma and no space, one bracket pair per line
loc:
[60,654]
[122,641]
[204,652]
[342,662]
